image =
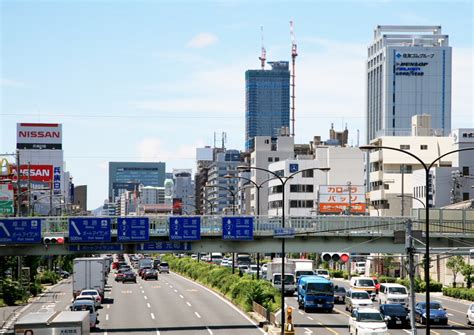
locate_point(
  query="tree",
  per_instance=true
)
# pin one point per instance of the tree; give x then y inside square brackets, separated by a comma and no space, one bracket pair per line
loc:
[455,264]
[467,271]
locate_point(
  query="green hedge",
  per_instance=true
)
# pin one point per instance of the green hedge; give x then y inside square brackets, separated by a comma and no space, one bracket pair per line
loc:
[420,285]
[48,277]
[386,279]
[241,290]
[459,293]
[13,292]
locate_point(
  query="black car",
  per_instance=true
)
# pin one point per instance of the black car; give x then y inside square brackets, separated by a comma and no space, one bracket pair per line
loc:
[395,315]
[129,276]
[150,274]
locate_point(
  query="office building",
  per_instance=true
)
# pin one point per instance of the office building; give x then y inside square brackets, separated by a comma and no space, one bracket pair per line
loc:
[184,189]
[408,73]
[151,195]
[267,108]
[80,199]
[126,176]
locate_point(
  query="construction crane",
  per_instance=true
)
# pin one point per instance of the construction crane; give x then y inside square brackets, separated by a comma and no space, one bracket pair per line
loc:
[294,53]
[263,57]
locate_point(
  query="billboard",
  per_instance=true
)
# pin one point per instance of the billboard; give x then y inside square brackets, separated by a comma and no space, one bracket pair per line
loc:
[6,199]
[38,136]
[338,198]
[34,173]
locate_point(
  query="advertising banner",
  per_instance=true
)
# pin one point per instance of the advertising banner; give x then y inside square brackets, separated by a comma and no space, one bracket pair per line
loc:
[338,198]
[6,199]
[35,173]
[38,136]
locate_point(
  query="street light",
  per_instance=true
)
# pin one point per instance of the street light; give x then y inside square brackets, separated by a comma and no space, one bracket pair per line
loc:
[233,194]
[205,199]
[412,197]
[283,184]
[427,168]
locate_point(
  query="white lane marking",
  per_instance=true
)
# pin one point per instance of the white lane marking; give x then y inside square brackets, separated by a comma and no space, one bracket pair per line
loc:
[197,314]
[176,290]
[108,306]
[143,292]
[106,317]
[181,296]
[449,314]
[66,308]
[301,312]
[406,331]
[210,331]
[157,332]
[308,331]
[187,303]
[148,305]
[152,316]
[223,300]
[146,298]
[458,332]
[171,286]
[309,317]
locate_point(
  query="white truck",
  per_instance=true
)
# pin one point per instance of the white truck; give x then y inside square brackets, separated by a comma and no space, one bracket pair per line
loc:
[89,273]
[52,323]
[274,275]
[303,267]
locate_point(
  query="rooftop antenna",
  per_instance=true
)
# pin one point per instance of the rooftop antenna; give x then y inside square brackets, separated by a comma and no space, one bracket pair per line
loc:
[263,57]
[294,53]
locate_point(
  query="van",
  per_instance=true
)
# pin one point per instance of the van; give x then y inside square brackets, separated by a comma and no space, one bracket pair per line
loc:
[364,284]
[87,306]
[393,294]
[322,273]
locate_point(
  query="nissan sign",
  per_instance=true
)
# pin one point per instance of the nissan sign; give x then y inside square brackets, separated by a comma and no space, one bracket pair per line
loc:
[38,136]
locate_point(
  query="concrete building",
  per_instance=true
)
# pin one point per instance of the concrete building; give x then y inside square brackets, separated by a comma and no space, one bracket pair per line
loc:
[267,107]
[184,188]
[150,195]
[80,198]
[125,176]
[408,73]
[204,158]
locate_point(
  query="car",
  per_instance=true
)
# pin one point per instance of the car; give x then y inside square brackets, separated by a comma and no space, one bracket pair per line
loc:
[365,284]
[150,274]
[357,299]
[322,273]
[437,313]
[252,269]
[243,267]
[393,294]
[367,321]
[194,256]
[156,263]
[95,294]
[84,305]
[470,314]
[395,315]
[129,276]
[164,267]
[86,298]
[119,276]
[339,294]
[141,272]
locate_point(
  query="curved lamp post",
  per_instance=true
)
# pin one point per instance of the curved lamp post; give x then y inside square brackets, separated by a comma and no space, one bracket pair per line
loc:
[412,197]
[283,181]
[427,168]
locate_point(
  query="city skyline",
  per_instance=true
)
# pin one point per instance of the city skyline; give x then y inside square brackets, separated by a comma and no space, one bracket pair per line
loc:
[151,82]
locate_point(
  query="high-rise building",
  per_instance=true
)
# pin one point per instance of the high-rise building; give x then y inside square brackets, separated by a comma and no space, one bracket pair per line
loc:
[126,176]
[267,108]
[184,189]
[408,73]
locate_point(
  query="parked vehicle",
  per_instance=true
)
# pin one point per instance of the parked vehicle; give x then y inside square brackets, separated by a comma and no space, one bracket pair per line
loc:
[364,283]
[164,267]
[150,274]
[470,314]
[393,294]
[437,313]
[367,321]
[129,277]
[339,294]
[395,315]
[274,275]
[88,306]
[357,299]
[47,323]
[89,273]
[303,267]
[95,294]
[315,292]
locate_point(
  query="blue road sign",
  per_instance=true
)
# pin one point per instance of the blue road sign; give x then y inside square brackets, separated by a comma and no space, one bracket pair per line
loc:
[20,231]
[89,230]
[96,247]
[133,229]
[237,228]
[287,232]
[185,228]
[293,168]
[164,246]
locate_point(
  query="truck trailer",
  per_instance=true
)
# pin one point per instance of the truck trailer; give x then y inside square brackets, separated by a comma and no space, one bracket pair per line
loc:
[89,273]
[53,323]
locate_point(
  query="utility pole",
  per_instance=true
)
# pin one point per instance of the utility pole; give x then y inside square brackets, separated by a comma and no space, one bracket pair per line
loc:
[409,247]
[18,188]
[29,189]
[349,184]
[403,189]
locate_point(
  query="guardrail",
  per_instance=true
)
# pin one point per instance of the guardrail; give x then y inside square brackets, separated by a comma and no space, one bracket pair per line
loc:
[339,225]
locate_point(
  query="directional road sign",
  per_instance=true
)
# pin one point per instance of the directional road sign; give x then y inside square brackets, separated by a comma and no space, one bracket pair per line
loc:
[185,228]
[287,232]
[89,230]
[96,247]
[164,246]
[20,230]
[237,228]
[133,229]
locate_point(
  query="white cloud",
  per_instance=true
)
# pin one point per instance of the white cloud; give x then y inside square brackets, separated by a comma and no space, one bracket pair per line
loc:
[202,40]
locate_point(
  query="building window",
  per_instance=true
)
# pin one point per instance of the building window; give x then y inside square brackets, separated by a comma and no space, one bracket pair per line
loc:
[465,196]
[301,204]
[424,147]
[270,159]
[405,146]
[406,169]
[276,189]
[301,188]
[307,174]
[465,171]
[277,159]
[267,141]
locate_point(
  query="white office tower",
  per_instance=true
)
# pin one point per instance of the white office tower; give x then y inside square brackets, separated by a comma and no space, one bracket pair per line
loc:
[408,73]
[184,189]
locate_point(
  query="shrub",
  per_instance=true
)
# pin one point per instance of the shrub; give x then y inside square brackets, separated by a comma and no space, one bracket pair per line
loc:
[48,277]
[13,292]
[386,279]
[35,288]
[336,273]
[459,293]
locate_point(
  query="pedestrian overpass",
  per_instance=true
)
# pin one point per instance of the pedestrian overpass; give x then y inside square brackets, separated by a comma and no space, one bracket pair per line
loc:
[450,230]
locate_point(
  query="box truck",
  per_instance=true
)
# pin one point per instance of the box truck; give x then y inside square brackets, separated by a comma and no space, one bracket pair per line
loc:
[274,275]
[303,267]
[89,273]
[52,323]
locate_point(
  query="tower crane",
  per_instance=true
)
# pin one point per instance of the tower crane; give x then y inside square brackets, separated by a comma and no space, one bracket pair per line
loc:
[294,53]
[263,57]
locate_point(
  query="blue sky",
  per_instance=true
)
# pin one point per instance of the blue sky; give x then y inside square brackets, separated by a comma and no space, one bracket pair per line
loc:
[153,80]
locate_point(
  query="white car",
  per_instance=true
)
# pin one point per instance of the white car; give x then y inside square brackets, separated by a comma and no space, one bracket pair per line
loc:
[95,294]
[367,321]
[357,299]
[84,305]
[470,315]
[322,273]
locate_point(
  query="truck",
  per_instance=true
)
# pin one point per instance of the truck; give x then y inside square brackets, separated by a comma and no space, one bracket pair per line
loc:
[303,267]
[51,323]
[145,263]
[89,273]
[244,259]
[274,275]
[315,292]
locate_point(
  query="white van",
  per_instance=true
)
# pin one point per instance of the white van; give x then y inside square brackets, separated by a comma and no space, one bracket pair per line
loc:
[393,294]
